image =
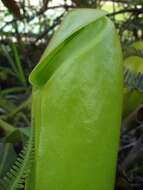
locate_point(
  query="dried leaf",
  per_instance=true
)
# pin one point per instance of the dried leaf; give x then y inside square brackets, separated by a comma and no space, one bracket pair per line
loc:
[44,6]
[12,7]
[45,2]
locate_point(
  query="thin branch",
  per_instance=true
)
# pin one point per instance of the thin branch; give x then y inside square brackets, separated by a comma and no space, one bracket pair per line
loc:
[56,22]
[123,1]
[48,8]
[55,7]
[135,10]
[28,19]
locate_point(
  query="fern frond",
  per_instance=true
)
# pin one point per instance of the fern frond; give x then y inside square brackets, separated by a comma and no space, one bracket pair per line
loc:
[133,80]
[15,178]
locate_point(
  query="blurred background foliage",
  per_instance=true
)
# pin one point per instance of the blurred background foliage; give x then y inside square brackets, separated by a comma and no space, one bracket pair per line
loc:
[26,26]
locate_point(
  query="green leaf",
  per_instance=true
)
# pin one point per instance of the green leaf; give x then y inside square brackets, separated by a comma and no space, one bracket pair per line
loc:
[77,102]
[76,20]
[18,65]
[134,82]
[15,177]
[13,134]
[7,158]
